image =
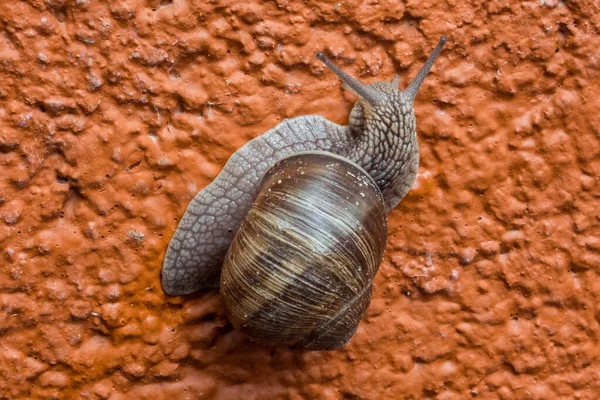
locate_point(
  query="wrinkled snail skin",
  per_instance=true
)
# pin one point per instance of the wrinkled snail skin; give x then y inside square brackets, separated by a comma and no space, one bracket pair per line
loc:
[300,268]
[380,137]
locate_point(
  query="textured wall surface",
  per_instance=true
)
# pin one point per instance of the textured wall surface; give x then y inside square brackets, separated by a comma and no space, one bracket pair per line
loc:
[113,114]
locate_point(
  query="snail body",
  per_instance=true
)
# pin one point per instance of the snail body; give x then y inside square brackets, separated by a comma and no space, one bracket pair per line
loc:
[379,141]
[300,268]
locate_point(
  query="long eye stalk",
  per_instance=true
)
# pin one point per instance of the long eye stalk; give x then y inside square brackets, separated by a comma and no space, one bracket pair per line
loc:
[414,86]
[371,95]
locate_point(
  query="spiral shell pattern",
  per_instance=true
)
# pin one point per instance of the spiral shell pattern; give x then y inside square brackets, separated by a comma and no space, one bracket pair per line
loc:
[300,268]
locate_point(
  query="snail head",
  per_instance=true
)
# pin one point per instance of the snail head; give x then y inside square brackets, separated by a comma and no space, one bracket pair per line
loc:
[381,98]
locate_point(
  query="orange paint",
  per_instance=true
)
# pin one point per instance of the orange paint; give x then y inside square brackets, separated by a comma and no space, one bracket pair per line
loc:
[114,114]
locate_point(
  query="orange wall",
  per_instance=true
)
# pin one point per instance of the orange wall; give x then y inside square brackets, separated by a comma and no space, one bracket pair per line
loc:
[114,114]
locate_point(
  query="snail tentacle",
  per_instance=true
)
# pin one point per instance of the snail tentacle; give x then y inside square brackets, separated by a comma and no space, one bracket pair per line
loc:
[372,96]
[413,87]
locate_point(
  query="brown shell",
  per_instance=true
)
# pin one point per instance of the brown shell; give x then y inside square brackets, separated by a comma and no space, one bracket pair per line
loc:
[300,268]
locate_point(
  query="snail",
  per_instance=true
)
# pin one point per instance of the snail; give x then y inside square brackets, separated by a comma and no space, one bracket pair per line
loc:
[377,151]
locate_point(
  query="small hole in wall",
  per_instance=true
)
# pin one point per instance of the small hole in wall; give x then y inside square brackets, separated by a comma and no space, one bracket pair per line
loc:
[42,108]
[179,105]
[134,165]
[165,3]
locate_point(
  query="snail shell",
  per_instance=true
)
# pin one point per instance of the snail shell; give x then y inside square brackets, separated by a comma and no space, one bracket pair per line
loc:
[300,267]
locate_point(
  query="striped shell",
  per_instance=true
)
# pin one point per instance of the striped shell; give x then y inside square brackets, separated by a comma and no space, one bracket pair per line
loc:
[300,268]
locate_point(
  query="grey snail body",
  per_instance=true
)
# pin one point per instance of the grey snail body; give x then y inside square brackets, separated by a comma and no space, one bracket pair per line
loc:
[380,139]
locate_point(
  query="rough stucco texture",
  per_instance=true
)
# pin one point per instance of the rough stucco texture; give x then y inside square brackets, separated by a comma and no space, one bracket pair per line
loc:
[114,114]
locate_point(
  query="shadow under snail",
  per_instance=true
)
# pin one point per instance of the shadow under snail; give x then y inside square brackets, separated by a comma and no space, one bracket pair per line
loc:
[296,219]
